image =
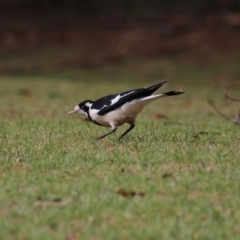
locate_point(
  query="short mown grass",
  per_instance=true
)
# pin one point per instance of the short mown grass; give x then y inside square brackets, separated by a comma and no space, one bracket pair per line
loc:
[165,180]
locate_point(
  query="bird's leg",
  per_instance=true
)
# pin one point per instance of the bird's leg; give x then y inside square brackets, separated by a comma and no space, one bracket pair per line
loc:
[128,130]
[114,128]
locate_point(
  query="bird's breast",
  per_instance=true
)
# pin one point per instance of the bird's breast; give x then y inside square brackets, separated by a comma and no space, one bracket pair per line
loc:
[124,114]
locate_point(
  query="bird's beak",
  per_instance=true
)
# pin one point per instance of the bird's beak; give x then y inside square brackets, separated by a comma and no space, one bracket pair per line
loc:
[71,112]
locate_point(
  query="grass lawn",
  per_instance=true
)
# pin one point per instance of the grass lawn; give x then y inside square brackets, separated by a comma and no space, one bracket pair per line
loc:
[163,181]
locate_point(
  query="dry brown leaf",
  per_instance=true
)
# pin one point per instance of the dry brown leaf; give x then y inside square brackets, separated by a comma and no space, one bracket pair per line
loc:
[73,237]
[25,92]
[159,116]
[167,175]
[186,104]
[125,193]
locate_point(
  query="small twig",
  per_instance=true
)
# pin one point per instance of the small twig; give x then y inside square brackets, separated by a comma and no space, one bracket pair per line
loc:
[237,118]
[218,111]
[228,90]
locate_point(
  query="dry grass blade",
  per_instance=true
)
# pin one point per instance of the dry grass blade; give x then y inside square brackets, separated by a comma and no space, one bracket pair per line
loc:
[42,202]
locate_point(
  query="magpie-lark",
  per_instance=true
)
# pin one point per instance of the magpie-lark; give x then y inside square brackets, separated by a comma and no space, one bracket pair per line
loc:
[117,109]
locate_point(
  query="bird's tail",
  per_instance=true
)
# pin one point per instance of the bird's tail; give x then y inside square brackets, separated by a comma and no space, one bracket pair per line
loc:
[151,98]
[173,93]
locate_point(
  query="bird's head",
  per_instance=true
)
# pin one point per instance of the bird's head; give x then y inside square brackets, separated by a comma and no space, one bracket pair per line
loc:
[82,108]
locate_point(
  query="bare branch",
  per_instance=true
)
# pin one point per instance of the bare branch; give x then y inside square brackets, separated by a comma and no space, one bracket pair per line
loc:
[211,102]
[236,120]
[228,90]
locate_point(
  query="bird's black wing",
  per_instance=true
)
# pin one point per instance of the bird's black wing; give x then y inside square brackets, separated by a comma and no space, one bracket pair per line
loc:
[111,102]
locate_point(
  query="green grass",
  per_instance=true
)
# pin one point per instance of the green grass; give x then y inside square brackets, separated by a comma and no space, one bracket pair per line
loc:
[160,182]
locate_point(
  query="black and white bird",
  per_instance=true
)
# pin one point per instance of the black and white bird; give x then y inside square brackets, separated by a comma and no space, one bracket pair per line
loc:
[116,109]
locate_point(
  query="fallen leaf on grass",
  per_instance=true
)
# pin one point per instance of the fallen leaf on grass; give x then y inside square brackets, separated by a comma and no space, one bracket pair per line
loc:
[44,202]
[167,175]
[197,135]
[25,92]
[125,193]
[203,219]
[72,237]
[195,194]
[18,160]
[159,115]
[186,104]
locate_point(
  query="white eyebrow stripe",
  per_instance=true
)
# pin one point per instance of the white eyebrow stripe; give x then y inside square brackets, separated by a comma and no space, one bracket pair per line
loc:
[88,104]
[104,106]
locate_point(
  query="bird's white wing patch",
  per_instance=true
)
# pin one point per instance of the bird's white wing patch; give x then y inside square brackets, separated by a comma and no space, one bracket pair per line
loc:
[103,106]
[115,100]
[127,94]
